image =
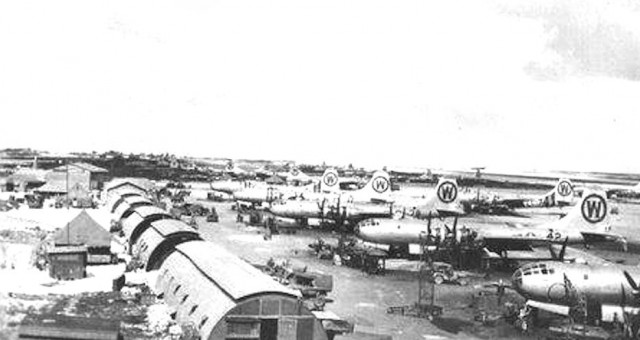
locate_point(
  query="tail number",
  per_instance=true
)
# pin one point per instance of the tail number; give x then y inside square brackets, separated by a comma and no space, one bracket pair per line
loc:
[594,208]
[330,179]
[447,192]
[380,184]
[564,188]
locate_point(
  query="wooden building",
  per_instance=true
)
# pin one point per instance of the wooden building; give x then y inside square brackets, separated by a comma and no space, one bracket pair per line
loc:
[122,187]
[85,231]
[67,262]
[55,326]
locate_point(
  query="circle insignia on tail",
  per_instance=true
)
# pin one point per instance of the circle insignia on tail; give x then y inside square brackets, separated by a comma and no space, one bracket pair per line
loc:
[330,179]
[447,192]
[380,184]
[594,208]
[565,188]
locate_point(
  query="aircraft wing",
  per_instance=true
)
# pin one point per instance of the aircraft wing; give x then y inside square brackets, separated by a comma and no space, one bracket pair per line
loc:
[592,237]
[534,255]
[513,202]
[549,307]
[523,242]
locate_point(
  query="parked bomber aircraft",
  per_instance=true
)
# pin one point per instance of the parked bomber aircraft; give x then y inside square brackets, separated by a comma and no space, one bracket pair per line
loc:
[611,292]
[295,176]
[586,223]
[230,187]
[625,192]
[561,195]
[270,193]
[443,201]
[334,210]
[376,190]
[340,207]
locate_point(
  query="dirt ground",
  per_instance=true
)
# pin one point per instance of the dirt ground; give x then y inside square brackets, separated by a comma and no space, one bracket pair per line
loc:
[358,297]
[363,299]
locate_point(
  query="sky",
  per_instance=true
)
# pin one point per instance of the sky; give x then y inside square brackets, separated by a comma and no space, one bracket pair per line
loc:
[506,84]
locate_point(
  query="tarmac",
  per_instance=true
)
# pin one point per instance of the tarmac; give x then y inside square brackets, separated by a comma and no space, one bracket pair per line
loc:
[359,298]
[363,299]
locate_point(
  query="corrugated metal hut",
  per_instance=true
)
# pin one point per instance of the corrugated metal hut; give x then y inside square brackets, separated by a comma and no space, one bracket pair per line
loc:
[160,239]
[125,208]
[67,262]
[114,201]
[227,298]
[134,225]
[84,230]
[55,326]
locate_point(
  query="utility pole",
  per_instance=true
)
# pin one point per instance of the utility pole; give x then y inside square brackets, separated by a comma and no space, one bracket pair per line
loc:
[67,182]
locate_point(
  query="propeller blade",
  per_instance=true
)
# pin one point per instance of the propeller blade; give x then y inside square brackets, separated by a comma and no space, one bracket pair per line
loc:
[631,281]
[564,249]
[554,255]
[455,228]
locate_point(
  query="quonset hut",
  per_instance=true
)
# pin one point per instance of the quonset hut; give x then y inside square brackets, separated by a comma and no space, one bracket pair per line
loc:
[124,207]
[158,241]
[222,296]
[227,298]
[140,219]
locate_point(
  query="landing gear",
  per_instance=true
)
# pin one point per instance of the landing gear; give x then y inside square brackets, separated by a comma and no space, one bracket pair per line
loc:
[526,319]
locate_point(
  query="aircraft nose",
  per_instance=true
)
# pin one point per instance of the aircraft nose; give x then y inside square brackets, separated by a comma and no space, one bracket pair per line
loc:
[276,209]
[516,280]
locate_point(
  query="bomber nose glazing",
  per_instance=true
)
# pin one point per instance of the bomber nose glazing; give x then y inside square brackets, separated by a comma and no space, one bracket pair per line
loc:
[516,280]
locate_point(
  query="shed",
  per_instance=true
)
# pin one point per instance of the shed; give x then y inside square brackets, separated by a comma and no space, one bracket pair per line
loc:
[158,241]
[28,178]
[119,186]
[227,298]
[67,262]
[56,326]
[52,188]
[84,230]
[81,178]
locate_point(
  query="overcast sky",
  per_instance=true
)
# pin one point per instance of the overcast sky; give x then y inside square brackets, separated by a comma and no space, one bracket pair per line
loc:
[507,84]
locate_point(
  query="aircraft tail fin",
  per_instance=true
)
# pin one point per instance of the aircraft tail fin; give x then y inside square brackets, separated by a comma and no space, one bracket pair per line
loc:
[329,181]
[561,195]
[378,187]
[590,214]
[564,192]
[447,197]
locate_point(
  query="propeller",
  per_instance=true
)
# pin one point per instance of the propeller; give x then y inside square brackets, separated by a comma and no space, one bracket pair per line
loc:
[630,324]
[455,229]
[633,284]
[321,205]
[569,290]
[559,256]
